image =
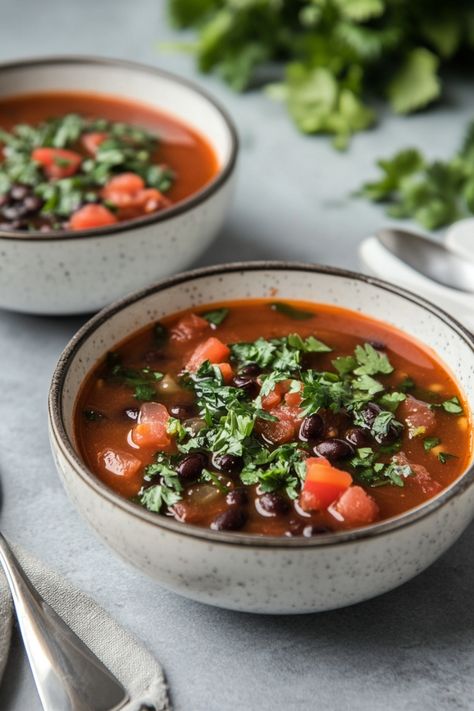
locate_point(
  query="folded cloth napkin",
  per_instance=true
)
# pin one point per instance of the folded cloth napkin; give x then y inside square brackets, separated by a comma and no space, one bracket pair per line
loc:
[126,658]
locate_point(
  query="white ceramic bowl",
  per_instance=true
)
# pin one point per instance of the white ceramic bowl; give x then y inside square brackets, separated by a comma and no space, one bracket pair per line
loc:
[235,570]
[68,273]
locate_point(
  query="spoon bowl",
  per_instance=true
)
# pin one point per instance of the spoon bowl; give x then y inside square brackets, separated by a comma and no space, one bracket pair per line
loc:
[429,258]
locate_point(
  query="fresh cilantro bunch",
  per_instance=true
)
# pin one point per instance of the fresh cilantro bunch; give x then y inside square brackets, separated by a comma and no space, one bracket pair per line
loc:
[434,194]
[334,54]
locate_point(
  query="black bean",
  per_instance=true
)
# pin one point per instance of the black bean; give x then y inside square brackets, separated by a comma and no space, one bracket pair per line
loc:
[295,528]
[378,345]
[14,225]
[181,412]
[309,531]
[369,413]
[334,449]
[13,212]
[32,204]
[191,466]
[229,463]
[154,356]
[273,503]
[231,520]
[356,436]
[250,369]
[4,199]
[311,428]
[391,435]
[19,192]
[131,413]
[237,497]
[246,383]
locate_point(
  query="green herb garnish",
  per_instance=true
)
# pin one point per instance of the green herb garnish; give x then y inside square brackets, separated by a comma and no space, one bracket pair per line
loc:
[453,406]
[287,310]
[430,442]
[445,456]
[216,317]
[432,193]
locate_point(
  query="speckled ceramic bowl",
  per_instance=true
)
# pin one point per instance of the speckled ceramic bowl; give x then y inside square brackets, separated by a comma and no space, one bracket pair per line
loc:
[68,272]
[235,570]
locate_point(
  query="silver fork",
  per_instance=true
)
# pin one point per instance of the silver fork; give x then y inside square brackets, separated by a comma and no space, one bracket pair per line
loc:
[68,676]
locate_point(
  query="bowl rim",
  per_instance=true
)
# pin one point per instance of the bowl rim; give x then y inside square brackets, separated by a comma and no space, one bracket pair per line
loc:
[192,201]
[61,440]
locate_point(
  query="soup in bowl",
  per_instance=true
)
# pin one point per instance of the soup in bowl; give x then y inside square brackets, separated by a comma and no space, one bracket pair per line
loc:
[112,175]
[313,409]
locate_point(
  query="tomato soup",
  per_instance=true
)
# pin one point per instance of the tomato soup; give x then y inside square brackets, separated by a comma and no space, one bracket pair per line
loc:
[273,418]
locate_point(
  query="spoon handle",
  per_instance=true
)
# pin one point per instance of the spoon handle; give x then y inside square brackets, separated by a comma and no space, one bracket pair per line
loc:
[68,676]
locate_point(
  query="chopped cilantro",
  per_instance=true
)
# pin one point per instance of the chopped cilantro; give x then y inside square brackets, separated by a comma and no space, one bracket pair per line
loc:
[160,333]
[371,361]
[291,311]
[430,442]
[216,317]
[445,456]
[390,401]
[207,475]
[344,364]
[143,380]
[453,406]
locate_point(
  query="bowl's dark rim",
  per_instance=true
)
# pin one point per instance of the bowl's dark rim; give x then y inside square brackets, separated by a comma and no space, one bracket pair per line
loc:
[183,206]
[62,441]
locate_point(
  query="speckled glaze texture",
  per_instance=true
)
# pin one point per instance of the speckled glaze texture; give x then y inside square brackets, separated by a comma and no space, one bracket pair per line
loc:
[263,574]
[69,273]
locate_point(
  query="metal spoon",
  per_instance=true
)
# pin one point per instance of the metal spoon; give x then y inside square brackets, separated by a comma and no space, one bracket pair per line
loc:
[68,676]
[429,258]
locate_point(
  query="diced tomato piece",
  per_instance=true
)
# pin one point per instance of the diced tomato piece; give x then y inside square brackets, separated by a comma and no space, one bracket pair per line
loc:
[91,141]
[421,478]
[151,200]
[419,417]
[293,399]
[323,484]
[283,429]
[151,428]
[90,216]
[212,350]
[119,463]
[226,370]
[273,399]
[125,183]
[121,469]
[280,392]
[189,327]
[57,162]
[355,508]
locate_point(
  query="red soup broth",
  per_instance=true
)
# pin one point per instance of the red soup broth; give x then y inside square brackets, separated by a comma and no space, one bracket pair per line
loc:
[180,147]
[433,438]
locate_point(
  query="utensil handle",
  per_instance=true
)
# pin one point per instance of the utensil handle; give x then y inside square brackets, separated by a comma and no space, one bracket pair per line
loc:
[68,676]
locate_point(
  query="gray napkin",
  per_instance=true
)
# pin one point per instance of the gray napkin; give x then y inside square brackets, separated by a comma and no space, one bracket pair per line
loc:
[126,658]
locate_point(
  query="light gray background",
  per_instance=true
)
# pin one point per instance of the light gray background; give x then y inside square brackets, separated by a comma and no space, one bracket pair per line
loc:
[410,650]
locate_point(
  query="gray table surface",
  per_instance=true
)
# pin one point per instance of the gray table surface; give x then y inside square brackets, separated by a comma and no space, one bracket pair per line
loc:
[412,649]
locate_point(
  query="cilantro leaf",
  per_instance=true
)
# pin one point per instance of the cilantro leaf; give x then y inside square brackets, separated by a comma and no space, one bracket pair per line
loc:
[445,456]
[371,361]
[430,442]
[216,317]
[391,401]
[416,83]
[291,311]
[453,406]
